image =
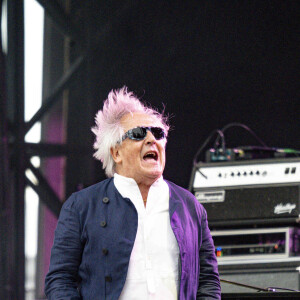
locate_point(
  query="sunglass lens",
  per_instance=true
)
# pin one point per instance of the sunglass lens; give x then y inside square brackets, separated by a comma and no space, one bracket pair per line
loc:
[139,133]
[158,133]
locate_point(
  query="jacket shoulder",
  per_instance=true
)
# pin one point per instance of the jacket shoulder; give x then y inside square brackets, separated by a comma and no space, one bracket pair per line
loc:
[87,195]
[180,191]
[184,196]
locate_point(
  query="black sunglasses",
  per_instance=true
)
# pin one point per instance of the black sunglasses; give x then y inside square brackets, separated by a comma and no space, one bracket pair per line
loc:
[139,133]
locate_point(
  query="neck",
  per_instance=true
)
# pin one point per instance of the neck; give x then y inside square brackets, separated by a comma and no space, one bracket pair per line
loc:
[144,184]
[144,187]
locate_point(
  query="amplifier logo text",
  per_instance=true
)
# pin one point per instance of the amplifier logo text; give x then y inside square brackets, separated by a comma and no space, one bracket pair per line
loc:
[284,208]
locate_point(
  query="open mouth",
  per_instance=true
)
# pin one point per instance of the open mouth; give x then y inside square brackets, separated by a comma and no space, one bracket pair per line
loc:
[151,155]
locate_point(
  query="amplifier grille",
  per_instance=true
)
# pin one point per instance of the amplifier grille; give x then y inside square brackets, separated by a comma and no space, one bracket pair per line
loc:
[276,202]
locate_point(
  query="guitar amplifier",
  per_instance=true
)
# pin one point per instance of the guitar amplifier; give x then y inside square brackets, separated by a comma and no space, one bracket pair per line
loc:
[251,192]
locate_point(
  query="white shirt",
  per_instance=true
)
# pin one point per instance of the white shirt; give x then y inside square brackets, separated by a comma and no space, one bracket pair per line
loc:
[153,265]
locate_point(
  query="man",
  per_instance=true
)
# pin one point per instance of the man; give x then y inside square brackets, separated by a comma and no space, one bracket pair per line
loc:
[134,235]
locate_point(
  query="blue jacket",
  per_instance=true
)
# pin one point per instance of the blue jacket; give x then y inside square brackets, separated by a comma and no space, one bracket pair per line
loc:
[95,235]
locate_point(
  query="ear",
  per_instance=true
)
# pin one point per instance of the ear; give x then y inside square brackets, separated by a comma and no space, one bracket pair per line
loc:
[115,153]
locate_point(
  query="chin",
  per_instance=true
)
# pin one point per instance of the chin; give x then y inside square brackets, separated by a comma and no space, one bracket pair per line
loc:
[155,174]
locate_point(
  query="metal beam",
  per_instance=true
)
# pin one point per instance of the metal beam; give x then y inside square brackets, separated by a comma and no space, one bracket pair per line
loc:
[44,190]
[6,220]
[51,150]
[53,98]
[46,150]
[15,101]
[63,21]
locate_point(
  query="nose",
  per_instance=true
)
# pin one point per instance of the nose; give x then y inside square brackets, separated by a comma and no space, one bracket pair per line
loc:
[150,139]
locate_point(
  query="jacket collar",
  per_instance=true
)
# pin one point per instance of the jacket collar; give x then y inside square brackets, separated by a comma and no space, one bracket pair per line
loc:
[174,199]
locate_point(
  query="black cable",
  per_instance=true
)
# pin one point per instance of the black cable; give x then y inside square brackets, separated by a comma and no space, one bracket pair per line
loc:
[258,289]
[220,135]
[284,289]
[236,124]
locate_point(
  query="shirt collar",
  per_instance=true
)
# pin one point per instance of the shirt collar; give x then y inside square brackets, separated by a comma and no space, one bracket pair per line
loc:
[130,182]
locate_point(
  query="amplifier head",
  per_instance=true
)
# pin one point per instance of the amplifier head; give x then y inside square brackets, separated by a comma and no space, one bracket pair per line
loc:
[252,192]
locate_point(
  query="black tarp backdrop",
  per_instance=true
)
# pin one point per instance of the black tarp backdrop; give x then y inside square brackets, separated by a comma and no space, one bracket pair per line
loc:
[210,62]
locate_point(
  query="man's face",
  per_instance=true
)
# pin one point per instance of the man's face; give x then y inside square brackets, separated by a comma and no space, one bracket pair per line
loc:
[144,160]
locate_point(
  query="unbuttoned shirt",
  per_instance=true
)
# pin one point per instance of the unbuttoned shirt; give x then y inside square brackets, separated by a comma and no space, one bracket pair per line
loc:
[153,265]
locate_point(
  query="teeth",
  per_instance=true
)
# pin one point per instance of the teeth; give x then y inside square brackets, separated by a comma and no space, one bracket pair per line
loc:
[151,154]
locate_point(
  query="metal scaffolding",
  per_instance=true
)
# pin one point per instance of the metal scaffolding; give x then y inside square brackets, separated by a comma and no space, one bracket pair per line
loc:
[15,152]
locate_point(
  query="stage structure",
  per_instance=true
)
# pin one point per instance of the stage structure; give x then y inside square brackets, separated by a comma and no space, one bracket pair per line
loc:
[16,154]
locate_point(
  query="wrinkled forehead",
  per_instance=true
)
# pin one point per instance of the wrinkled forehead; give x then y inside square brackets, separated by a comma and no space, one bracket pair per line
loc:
[132,120]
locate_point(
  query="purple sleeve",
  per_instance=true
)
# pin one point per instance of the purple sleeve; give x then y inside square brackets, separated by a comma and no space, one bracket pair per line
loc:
[209,281]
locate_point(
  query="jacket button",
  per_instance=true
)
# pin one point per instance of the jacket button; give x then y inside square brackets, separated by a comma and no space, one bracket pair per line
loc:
[108,278]
[104,251]
[105,200]
[103,223]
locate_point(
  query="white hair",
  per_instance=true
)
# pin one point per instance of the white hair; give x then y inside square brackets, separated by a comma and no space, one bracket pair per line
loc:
[108,129]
